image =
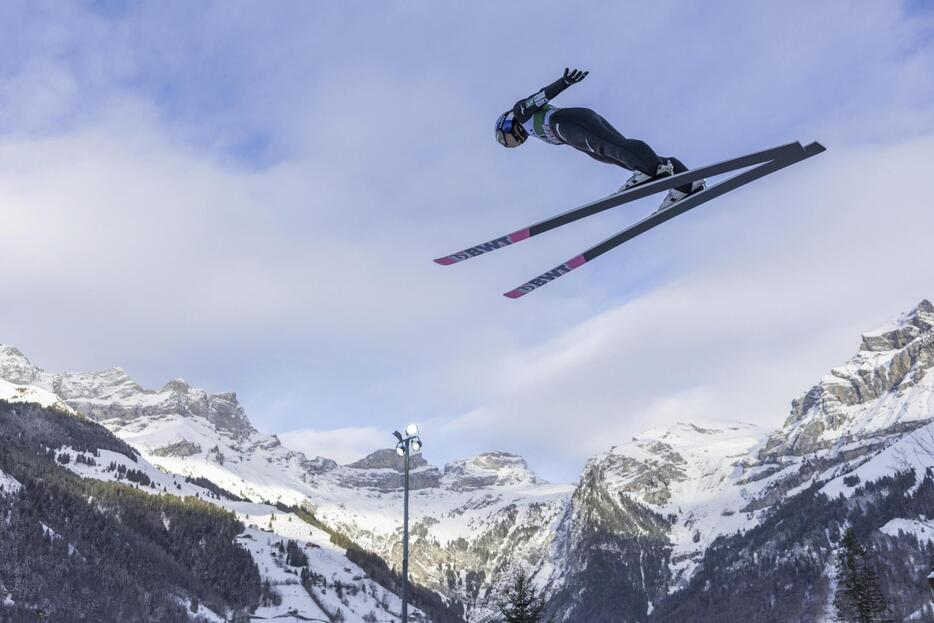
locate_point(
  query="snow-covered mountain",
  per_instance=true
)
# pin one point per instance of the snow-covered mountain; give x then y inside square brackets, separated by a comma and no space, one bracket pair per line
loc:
[659,503]
[637,531]
[699,473]
[111,396]
[462,514]
[339,590]
[886,388]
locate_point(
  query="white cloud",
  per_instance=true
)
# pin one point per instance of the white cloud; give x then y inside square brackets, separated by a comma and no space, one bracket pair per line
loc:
[255,205]
[344,445]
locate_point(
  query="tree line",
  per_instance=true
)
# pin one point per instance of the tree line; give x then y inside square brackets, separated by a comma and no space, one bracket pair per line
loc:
[83,549]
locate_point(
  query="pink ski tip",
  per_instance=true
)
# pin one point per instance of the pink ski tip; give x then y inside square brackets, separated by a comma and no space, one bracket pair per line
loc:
[514,294]
[575,262]
[444,261]
[522,234]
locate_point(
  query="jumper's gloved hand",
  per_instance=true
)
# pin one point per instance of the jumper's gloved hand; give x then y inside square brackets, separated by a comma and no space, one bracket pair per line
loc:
[524,109]
[574,76]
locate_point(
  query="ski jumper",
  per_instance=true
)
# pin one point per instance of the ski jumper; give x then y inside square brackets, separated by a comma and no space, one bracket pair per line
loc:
[586,131]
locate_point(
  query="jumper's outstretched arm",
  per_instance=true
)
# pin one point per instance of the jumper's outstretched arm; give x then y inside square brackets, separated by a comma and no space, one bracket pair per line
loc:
[524,109]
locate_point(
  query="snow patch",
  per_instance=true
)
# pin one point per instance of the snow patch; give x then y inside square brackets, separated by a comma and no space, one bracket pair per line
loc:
[914,451]
[8,484]
[12,392]
[922,528]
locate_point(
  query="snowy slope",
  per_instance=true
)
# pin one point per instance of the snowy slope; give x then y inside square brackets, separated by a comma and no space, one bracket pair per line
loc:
[455,512]
[8,484]
[12,392]
[267,526]
[187,432]
[921,528]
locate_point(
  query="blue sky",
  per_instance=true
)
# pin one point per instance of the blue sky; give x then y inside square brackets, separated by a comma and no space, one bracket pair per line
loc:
[248,195]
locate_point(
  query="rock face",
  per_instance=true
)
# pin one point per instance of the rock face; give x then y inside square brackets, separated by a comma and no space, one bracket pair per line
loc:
[383,471]
[15,368]
[615,551]
[489,469]
[179,448]
[645,512]
[886,388]
[388,458]
[111,397]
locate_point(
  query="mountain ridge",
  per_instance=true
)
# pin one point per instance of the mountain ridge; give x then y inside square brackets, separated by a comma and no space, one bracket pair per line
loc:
[658,504]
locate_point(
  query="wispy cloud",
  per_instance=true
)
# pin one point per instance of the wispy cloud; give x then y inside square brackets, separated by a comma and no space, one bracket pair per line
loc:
[782,283]
[250,198]
[344,445]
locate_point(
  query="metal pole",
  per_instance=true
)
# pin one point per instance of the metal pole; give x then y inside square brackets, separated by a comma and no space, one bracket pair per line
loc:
[405,541]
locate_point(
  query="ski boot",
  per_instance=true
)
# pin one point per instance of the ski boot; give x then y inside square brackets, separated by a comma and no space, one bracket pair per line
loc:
[674,195]
[638,177]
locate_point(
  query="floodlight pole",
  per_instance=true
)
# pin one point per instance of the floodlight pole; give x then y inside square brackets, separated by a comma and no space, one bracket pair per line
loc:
[405,542]
[404,448]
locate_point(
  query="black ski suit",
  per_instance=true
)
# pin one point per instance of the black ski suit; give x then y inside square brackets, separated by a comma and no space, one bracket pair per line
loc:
[585,130]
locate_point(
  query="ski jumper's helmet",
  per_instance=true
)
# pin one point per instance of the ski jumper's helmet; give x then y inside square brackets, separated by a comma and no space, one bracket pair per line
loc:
[509,132]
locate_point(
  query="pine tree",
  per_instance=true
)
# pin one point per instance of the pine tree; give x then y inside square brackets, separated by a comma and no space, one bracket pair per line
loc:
[521,602]
[859,597]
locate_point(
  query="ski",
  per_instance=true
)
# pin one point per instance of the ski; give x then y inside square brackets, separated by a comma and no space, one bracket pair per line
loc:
[626,196]
[676,209]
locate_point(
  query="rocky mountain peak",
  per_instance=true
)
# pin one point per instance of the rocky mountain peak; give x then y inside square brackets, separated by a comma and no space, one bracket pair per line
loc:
[387,458]
[382,471]
[316,465]
[488,470]
[177,385]
[11,353]
[15,367]
[649,467]
[224,411]
[112,395]
[882,389]
[110,384]
[900,331]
